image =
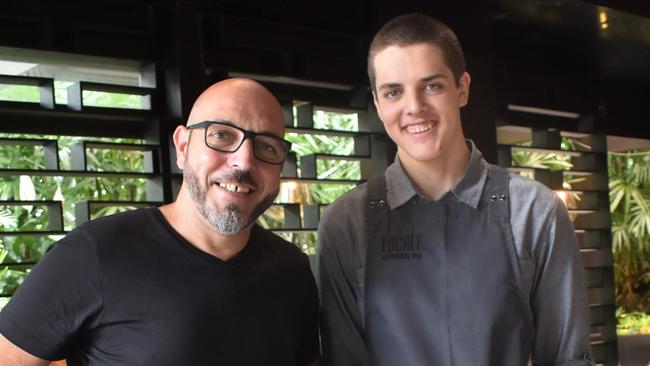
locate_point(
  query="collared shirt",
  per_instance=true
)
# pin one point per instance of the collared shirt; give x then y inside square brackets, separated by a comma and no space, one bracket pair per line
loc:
[541,231]
[468,189]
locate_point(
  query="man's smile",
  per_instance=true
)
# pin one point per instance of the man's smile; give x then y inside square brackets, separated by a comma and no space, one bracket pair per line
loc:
[233,187]
[421,127]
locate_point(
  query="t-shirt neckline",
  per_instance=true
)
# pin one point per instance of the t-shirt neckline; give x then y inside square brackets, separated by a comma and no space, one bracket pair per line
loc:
[236,259]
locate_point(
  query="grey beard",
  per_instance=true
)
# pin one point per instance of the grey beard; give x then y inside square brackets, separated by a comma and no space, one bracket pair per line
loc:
[229,220]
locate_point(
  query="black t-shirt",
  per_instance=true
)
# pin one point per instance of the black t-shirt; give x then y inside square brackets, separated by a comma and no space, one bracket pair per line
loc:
[129,290]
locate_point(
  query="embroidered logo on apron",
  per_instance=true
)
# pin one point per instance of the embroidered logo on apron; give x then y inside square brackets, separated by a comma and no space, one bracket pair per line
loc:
[402,246]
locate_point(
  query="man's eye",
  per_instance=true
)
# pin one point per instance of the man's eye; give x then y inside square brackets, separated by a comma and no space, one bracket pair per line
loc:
[221,135]
[433,87]
[267,148]
[391,94]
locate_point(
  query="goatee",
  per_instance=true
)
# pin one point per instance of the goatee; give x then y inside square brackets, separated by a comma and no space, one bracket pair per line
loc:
[229,220]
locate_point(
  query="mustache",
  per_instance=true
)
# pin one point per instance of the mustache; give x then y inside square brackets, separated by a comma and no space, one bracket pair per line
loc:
[236,176]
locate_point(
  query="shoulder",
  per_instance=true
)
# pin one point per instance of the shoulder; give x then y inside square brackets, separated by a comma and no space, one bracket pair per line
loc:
[83,245]
[272,244]
[133,223]
[112,233]
[133,219]
[527,194]
[537,213]
[344,218]
[342,228]
[281,258]
[350,205]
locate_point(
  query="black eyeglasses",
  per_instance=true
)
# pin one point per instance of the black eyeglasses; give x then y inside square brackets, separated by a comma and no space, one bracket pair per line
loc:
[224,137]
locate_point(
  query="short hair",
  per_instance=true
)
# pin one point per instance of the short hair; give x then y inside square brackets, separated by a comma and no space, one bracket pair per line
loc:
[415,28]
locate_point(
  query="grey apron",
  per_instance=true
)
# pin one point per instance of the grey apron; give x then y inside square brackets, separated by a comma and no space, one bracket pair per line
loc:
[442,281]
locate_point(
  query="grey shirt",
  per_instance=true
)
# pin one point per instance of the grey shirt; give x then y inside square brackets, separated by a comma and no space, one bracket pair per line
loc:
[542,235]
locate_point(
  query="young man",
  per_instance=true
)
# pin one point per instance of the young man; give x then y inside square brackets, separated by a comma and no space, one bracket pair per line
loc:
[445,259]
[195,282]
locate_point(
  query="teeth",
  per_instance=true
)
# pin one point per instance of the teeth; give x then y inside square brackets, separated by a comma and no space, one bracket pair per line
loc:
[234,188]
[419,128]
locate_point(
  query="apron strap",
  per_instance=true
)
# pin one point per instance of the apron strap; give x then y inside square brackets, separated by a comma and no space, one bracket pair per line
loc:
[375,219]
[496,192]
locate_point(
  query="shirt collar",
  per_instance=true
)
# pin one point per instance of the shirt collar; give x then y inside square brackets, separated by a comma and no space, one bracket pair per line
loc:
[399,188]
[468,189]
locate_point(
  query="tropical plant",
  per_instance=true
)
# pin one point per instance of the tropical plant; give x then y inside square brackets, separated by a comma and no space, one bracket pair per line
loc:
[629,191]
[543,160]
[319,193]
[551,161]
[70,190]
[19,252]
[634,322]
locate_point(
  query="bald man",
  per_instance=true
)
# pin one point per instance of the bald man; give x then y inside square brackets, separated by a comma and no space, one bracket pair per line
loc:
[195,282]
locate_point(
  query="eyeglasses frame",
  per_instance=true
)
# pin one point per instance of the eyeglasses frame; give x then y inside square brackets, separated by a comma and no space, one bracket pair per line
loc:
[247,135]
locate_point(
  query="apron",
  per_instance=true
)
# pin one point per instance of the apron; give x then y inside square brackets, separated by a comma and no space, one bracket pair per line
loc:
[442,282]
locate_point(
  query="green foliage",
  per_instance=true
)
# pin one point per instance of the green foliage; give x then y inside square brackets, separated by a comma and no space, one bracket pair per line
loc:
[542,160]
[317,193]
[272,218]
[19,93]
[10,279]
[69,190]
[552,161]
[632,322]
[7,220]
[309,144]
[330,169]
[27,93]
[112,100]
[629,192]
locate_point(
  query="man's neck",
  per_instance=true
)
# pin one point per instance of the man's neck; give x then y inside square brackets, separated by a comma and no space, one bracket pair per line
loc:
[434,178]
[185,219]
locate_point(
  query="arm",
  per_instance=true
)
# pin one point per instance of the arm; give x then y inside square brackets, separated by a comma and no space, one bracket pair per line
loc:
[559,297]
[10,354]
[341,324]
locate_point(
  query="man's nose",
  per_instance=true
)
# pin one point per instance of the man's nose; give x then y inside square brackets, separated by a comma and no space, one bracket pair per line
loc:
[244,157]
[415,103]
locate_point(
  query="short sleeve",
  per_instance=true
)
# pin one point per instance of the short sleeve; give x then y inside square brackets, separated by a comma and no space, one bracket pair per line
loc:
[59,301]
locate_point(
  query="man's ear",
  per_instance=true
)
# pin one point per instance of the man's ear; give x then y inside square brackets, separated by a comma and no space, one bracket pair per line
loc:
[463,86]
[181,139]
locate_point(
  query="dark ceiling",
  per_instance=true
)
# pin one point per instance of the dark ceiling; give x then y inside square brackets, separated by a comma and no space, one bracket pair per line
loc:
[564,34]
[584,36]
[606,39]
[639,7]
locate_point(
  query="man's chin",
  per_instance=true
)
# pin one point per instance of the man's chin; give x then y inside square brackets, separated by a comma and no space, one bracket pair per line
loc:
[246,213]
[245,219]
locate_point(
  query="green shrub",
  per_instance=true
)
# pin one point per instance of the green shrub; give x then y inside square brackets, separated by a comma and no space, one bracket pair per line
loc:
[634,322]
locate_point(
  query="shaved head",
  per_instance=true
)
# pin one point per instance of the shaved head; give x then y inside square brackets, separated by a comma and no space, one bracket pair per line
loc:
[244,96]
